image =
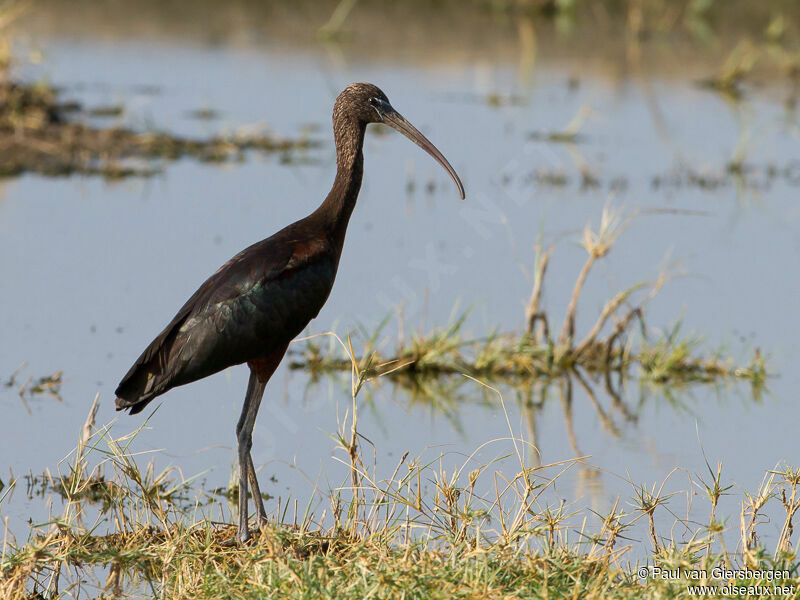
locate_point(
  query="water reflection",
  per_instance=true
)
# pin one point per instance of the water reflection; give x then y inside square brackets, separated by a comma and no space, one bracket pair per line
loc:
[620,404]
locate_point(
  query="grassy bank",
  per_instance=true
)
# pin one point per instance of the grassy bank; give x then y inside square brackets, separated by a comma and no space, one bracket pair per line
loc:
[422,532]
[288,564]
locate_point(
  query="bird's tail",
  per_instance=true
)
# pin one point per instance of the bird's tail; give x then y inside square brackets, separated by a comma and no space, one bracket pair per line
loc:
[133,394]
[133,408]
[154,372]
[152,375]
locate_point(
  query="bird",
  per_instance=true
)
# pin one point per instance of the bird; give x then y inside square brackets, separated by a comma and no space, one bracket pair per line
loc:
[253,306]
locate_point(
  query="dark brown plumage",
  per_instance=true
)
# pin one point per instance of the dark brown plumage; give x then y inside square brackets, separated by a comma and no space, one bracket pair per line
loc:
[261,299]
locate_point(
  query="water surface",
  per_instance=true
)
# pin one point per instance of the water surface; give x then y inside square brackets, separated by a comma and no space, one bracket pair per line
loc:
[90,271]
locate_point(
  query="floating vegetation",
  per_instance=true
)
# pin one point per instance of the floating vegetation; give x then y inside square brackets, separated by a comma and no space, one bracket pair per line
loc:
[538,352]
[735,173]
[110,111]
[570,134]
[497,100]
[513,356]
[30,387]
[40,133]
[204,114]
[584,181]
[739,64]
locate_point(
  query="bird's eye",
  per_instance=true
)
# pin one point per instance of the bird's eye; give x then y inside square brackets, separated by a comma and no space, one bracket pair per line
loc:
[373,101]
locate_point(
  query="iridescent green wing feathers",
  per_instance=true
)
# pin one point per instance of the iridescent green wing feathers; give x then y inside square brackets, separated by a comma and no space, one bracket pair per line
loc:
[263,296]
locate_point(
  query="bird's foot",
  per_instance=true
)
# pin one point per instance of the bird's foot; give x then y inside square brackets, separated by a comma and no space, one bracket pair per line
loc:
[242,538]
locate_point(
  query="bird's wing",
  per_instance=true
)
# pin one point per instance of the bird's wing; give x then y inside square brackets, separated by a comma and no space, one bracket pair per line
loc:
[268,291]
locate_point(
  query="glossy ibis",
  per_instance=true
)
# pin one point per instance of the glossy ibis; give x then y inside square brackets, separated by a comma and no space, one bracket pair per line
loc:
[262,298]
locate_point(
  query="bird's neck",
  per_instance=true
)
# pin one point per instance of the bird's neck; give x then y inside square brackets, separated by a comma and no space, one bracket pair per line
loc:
[335,211]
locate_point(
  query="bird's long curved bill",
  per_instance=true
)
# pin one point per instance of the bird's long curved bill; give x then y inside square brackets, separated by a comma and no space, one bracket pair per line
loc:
[395,120]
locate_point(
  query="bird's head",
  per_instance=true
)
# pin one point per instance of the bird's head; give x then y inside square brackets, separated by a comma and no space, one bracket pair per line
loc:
[367,103]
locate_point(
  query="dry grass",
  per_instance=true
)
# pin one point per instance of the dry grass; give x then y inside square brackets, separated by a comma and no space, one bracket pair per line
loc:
[472,530]
[618,341]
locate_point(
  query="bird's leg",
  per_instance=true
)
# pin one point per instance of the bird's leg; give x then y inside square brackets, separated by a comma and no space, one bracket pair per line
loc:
[260,372]
[255,490]
[244,436]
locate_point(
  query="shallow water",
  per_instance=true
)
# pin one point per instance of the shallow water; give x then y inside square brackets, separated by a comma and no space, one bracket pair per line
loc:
[91,271]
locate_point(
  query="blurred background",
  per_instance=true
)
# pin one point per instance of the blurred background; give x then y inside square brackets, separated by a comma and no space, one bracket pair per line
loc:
[680,114]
